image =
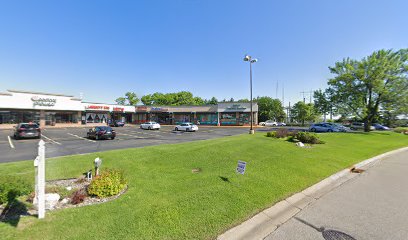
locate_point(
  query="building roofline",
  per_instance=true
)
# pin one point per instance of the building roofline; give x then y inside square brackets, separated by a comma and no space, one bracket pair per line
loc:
[41,93]
[5,94]
[107,104]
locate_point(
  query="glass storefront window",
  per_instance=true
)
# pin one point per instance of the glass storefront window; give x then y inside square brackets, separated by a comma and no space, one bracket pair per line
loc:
[207,118]
[16,116]
[228,119]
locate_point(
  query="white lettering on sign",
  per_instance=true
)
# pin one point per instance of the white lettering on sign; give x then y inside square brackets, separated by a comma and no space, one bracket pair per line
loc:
[241,167]
[43,101]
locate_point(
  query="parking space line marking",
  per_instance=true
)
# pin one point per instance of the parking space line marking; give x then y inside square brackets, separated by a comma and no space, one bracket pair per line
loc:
[49,139]
[81,137]
[11,143]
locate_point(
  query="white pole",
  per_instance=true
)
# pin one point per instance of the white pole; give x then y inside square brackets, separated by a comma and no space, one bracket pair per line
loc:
[41,179]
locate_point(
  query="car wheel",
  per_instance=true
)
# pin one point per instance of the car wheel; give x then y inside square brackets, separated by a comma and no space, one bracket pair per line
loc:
[96,137]
[187,129]
[16,137]
[176,129]
[313,130]
[112,138]
[150,128]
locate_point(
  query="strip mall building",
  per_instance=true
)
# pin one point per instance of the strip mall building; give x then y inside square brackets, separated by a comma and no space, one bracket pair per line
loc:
[64,110]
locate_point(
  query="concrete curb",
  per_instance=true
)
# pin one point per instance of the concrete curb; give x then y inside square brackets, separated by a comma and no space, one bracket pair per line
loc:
[267,221]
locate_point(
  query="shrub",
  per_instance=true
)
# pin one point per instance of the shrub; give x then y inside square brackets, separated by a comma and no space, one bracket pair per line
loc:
[307,137]
[282,133]
[271,134]
[13,187]
[78,196]
[401,130]
[108,183]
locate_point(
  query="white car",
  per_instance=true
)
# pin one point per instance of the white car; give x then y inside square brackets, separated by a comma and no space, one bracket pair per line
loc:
[186,127]
[281,124]
[270,123]
[150,125]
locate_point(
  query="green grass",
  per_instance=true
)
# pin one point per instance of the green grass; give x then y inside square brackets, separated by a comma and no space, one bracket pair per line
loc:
[165,200]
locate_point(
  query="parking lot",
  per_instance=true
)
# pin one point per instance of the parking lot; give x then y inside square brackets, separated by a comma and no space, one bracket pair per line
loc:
[68,141]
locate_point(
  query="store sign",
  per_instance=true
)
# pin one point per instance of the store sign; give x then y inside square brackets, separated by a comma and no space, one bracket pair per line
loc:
[48,102]
[159,109]
[118,109]
[97,107]
[236,107]
[141,109]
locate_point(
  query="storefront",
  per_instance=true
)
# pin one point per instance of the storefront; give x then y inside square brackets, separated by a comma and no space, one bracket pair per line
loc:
[42,108]
[57,109]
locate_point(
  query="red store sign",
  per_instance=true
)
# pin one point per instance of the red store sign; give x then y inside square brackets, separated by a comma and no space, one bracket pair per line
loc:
[118,109]
[96,107]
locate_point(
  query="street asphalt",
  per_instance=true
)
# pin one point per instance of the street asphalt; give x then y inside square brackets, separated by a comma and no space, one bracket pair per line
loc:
[371,206]
[68,141]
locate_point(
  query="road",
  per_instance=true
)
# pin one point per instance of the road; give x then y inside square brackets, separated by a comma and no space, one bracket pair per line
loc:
[68,141]
[371,206]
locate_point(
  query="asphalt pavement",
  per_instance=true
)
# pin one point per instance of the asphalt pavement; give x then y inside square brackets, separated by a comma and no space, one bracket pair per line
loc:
[369,207]
[68,141]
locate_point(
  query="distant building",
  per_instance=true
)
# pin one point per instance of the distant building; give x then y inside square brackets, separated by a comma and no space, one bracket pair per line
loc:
[58,109]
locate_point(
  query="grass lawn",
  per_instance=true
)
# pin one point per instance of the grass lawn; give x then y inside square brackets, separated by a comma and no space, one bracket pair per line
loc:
[165,200]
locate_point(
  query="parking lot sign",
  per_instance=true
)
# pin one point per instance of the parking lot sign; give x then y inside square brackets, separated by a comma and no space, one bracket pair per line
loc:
[241,167]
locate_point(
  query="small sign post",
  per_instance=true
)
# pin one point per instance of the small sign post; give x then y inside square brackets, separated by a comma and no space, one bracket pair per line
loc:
[39,164]
[241,167]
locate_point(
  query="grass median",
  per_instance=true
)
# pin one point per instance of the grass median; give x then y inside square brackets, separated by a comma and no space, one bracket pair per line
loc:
[166,200]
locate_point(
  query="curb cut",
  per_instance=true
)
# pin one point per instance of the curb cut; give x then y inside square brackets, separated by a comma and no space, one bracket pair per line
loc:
[267,221]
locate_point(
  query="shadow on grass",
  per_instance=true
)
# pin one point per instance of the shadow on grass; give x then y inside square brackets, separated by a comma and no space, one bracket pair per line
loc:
[11,214]
[225,179]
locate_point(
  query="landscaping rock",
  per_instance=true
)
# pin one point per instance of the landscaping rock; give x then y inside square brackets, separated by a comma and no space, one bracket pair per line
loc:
[64,201]
[51,199]
[300,144]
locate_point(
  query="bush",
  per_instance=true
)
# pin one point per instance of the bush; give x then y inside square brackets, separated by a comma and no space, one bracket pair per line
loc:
[401,130]
[13,187]
[271,134]
[108,183]
[282,133]
[78,196]
[307,137]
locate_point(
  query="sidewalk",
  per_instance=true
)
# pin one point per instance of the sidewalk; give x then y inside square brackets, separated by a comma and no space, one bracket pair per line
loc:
[344,206]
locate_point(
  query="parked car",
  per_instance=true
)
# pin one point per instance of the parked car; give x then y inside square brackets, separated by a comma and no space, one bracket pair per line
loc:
[339,126]
[27,130]
[117,124]
[359,126]
[270,123]
[281,124]
[261,123]
[186,127]
[378,126]
[150,125]
[101,132]
[323,127]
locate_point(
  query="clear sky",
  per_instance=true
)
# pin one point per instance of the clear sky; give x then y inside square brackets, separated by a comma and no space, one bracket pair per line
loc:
[106,48]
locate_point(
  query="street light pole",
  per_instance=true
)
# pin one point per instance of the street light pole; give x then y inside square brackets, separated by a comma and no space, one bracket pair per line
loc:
[249,59]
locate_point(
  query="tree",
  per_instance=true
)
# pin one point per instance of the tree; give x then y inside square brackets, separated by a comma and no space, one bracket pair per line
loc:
[244,100]
[269,108]
[212,101]
[302,112]
[376,82]
[120,100]
[131,98]
[231,100]
[323,103]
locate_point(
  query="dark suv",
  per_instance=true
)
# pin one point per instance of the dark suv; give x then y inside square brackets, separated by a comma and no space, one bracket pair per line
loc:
[102,132]
[27,130]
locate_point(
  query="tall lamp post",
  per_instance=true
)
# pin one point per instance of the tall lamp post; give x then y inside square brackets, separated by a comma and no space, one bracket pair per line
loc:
[251,60]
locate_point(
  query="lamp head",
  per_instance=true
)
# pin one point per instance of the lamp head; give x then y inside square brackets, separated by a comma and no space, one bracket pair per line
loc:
[247,58]
[254,60]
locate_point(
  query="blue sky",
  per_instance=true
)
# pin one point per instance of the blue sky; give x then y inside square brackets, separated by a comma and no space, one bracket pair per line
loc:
[106,48]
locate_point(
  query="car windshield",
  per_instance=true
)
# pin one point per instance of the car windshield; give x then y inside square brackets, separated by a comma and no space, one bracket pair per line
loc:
[104,128]
[29,126]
